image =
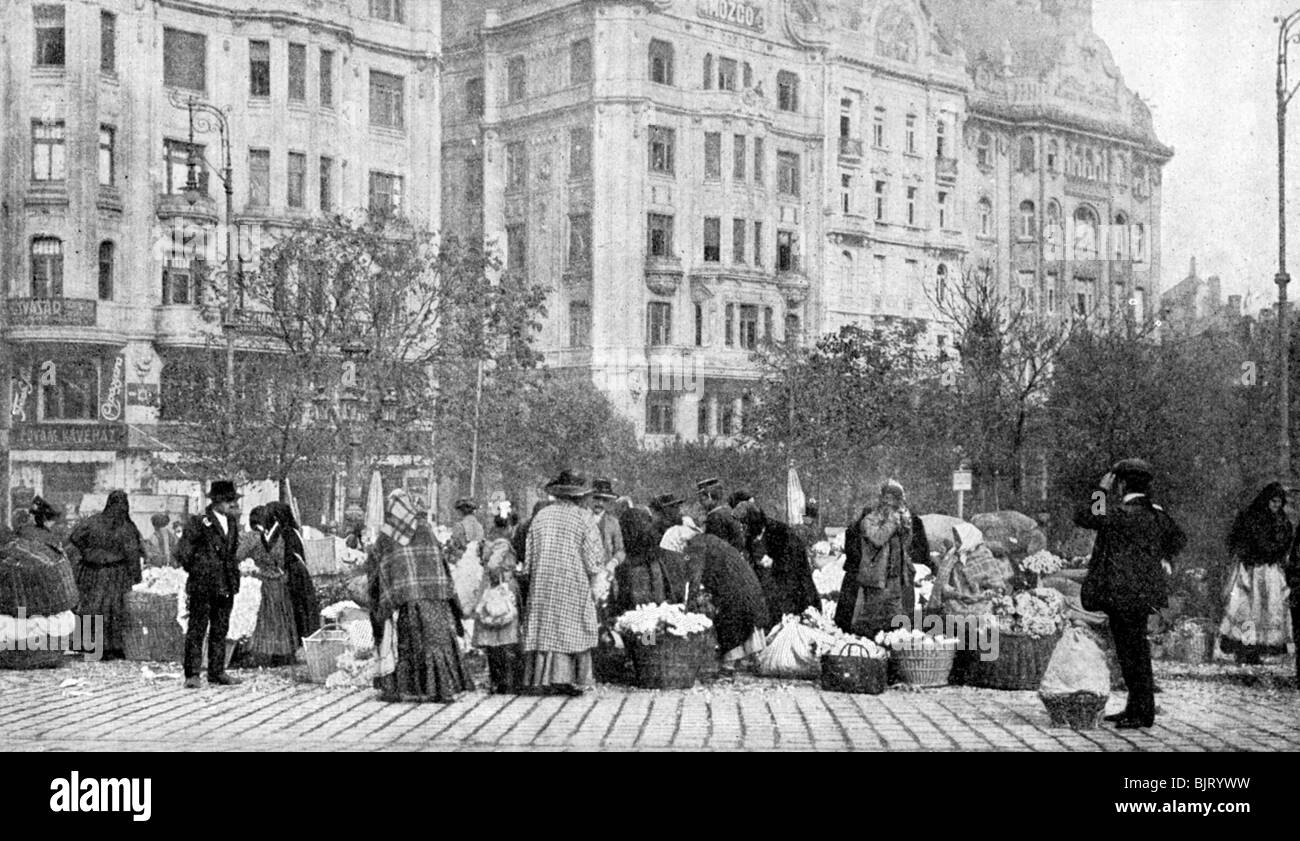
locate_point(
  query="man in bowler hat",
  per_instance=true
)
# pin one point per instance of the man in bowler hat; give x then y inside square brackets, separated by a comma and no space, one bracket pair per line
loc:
[1128,575]
[207,552]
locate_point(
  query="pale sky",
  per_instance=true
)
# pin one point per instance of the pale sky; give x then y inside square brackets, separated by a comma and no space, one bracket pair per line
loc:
[1208,69]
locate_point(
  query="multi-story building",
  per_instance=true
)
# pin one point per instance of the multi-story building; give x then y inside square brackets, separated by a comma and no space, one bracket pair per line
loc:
[332,106]
[1196,304]
[692,178]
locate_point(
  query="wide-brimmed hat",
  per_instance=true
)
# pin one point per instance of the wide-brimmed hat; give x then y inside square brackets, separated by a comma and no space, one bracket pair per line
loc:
[466,504]
[603,489]
[569,484]
[665,501]
[1132,468]
[223,490]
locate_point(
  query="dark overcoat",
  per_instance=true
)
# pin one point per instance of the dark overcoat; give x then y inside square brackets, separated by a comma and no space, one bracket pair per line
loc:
[1125,575]
[209,556]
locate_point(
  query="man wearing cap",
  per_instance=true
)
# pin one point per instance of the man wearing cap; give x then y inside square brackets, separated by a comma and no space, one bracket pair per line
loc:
[1128,575]
[720,520]
[666,512]
[207,552]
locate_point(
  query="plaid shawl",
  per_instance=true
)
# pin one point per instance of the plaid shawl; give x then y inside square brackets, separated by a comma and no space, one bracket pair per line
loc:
[411,573]
[35,576]
[401,518]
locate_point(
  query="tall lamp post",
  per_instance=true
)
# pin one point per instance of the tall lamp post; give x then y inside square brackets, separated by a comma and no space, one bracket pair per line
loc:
[353,401]
[206,117]
[1285,91]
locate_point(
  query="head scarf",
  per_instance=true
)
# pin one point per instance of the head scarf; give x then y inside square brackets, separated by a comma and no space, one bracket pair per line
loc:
[118,508]
[894,488]
[676,538]
[400,518]
[638,533]
[968,536]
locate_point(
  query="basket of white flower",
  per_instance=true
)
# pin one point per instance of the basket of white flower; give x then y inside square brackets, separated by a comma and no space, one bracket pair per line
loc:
[919,659]
[665,643]
[1029,627]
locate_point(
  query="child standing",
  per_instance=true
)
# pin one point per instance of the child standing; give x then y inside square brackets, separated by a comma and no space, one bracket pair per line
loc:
[497,612]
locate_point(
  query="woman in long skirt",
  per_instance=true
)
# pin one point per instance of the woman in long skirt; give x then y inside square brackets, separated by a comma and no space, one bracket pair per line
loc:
[1255,618]
[409,578]
[275,641]
[284,543]
[107,551]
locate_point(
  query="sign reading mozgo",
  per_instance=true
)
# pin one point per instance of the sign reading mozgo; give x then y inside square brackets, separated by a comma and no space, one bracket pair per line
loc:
[744,14]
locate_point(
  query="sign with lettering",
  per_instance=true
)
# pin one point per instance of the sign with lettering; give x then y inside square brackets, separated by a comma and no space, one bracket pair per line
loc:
[111,408]
[738,12]
[142,394]
[69,436]
[50,312]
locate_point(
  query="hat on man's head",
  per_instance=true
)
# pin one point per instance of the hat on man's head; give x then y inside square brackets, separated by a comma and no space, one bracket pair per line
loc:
[223,490]
[892,487]
[705,484]
[466,504]
[570,484]
[1132,468]
[603,489]
[665,501]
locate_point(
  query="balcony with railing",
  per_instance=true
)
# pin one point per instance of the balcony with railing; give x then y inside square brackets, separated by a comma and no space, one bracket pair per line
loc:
[945,169]
[850,150]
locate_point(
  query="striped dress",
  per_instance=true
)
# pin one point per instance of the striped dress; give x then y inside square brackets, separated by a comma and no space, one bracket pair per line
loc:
[564,554]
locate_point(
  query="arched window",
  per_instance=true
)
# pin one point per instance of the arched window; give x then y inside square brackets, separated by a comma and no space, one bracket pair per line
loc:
[1027,219]
[986,217]
[47,267]
[1027,153]
[941,282]
[106,271]
[1119,237]
[846,274]
[1085,234]
[984,150]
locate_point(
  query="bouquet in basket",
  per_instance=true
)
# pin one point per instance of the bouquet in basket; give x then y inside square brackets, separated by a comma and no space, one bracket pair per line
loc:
[902,639]
[1032,613]
[649,621]
[831,639]
[1042,563]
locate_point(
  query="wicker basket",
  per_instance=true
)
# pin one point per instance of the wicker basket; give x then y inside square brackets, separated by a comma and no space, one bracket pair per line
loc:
[672,662]
[923,667]
[21,660]
[322,650]
[1076,710]
[1020,663]
[707,651]
[852,673]
[152,632]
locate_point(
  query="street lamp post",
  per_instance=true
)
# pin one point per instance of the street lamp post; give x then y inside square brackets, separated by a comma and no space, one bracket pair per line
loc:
[206,117]
[355,404]
[1285,91]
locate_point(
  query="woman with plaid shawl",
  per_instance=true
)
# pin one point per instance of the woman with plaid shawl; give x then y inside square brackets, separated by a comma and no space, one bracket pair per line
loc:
[563,559]
[408,577]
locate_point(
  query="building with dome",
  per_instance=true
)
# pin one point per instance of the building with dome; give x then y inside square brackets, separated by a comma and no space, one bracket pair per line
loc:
[692,177]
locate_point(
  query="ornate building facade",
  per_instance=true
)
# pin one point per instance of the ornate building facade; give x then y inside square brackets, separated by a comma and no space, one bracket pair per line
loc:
[692,178]
[331,105]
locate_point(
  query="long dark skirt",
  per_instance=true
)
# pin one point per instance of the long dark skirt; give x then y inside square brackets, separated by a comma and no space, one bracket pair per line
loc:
[302,596]
[428,659]
[103,592]
[275,641]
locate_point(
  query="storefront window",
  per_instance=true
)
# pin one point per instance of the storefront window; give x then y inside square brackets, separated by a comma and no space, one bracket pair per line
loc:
[70,391]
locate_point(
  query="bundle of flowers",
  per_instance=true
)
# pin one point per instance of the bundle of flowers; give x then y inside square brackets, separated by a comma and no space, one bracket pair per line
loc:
[829,579]
[1043,562]
[1032,613]
[650,620]
[14,628]
[162,581]
[814,618]
[243,615]
[904,639]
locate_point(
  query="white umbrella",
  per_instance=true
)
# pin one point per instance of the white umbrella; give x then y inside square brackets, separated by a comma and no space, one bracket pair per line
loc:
[794,498]
[375,504]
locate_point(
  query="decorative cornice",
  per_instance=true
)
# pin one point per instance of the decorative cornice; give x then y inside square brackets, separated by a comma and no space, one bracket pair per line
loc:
[1049,116]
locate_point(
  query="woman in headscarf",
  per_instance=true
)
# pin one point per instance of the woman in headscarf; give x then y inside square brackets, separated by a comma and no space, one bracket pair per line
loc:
[879,574]
[409,577]
[275,640]
[284,544]
[106,551]
[1255,620]
[499,638]
[740,617]
[651,574]
[780,560]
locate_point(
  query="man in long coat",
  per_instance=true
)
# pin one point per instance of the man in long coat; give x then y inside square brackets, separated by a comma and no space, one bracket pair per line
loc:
[896,593]
[208,553]
[1128,575]
[563,560]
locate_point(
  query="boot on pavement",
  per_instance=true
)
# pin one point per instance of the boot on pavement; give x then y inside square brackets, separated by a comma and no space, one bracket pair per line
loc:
[193,683]
[223,680]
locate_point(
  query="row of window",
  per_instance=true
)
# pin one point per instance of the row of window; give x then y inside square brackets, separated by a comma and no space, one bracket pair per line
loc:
[1080,161]
[50,23]
[259,75]
[659,244]
[879,133]
[47,268]
[661,413]
[663,154]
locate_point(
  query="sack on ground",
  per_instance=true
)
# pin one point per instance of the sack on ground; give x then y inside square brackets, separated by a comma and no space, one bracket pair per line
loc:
[791,652]
[1077,665]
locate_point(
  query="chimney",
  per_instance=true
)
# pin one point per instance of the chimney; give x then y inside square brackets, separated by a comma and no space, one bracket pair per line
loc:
[1192,271]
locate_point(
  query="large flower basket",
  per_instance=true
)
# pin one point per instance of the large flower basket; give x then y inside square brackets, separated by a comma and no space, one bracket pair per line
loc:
[922,667]
[152,632]
[665,661]
[858,674]
[1076,710]
[1020,663]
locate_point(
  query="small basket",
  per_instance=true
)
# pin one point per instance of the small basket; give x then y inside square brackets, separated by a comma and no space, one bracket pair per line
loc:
[923,667]
[1020,663]
[672,662]
[152,633]
[853,673]
[322,650]
[1076,710]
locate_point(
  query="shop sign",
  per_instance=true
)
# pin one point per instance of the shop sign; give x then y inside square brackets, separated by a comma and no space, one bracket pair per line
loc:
[736,12]
[50,312]
[69,436]
[111,408]
[142,394]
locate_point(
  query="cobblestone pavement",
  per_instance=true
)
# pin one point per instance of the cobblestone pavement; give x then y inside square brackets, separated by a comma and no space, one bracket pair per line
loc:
[119,706]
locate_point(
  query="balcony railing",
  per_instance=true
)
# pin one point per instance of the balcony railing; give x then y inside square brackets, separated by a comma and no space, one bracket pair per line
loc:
[945,169]
[850,149]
